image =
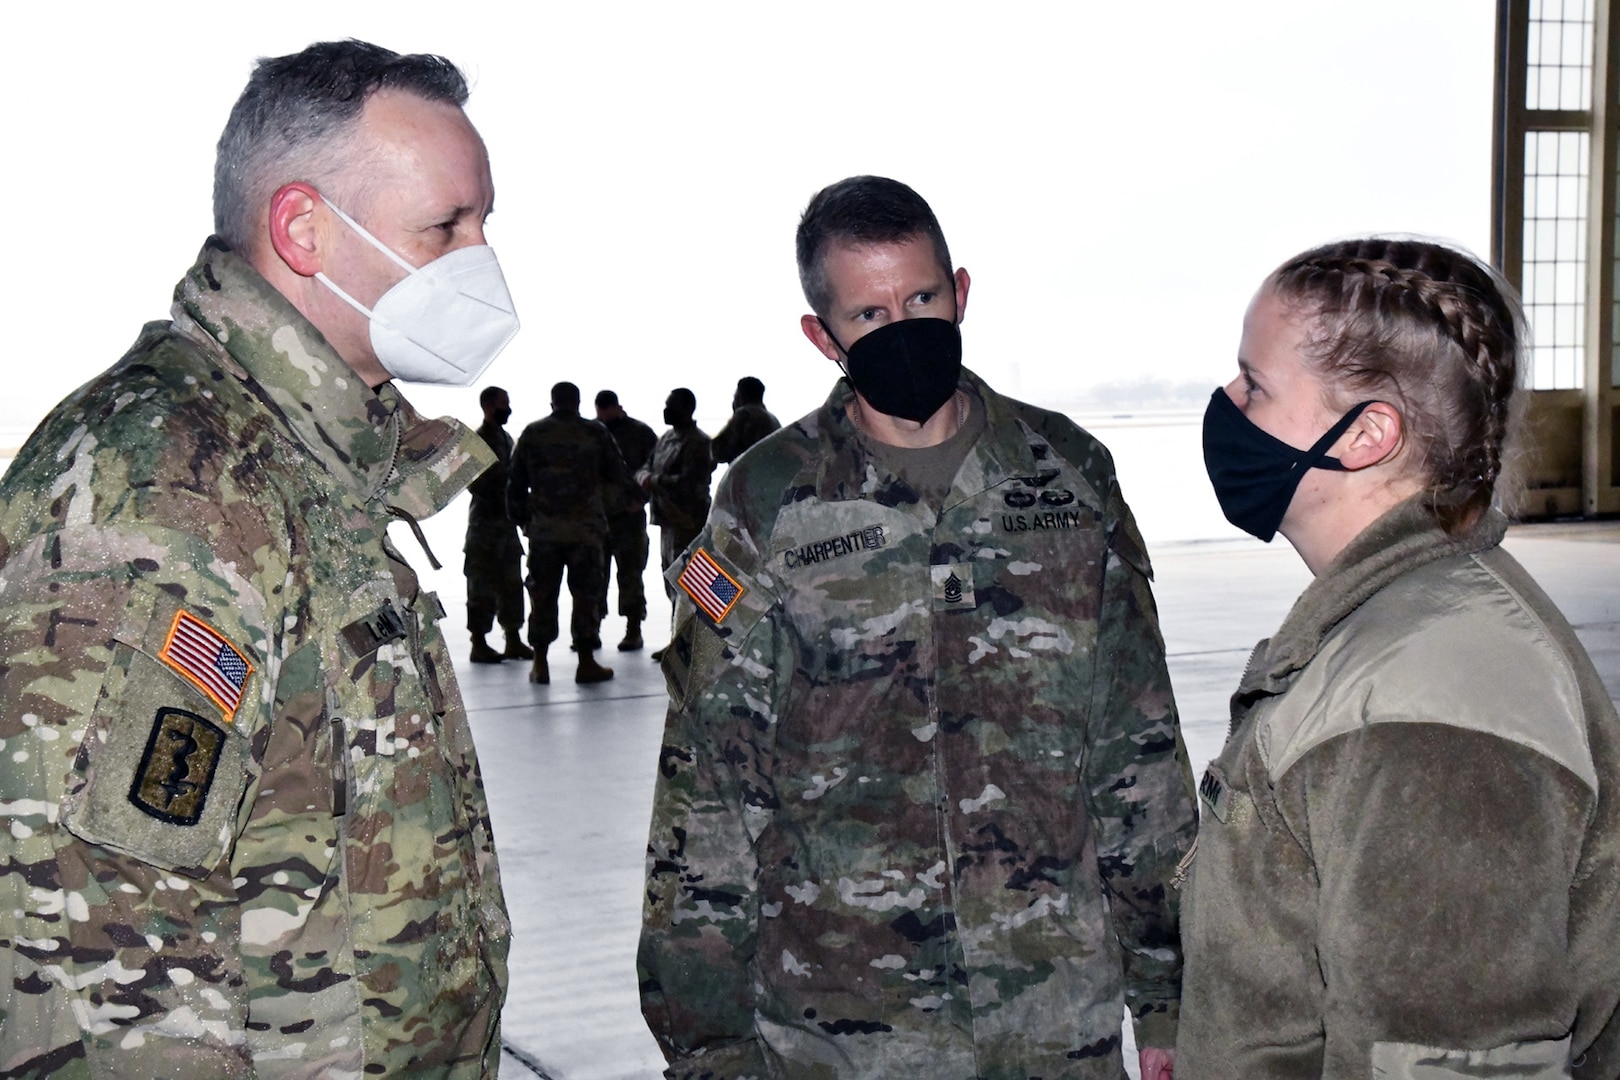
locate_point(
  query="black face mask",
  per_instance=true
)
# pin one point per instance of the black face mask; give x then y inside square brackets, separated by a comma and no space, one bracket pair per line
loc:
[503,416]
[907,368]
[1255,474]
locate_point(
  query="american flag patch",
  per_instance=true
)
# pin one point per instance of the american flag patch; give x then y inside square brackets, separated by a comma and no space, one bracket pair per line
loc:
[710,587]
[212,664]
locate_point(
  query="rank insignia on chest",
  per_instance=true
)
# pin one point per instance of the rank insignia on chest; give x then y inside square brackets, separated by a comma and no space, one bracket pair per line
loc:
[953,587]
[711,588]
[175,773]
[202,656]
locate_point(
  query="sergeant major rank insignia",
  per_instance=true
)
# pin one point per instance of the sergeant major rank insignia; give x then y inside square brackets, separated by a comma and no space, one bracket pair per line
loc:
[202,656]
[711,588]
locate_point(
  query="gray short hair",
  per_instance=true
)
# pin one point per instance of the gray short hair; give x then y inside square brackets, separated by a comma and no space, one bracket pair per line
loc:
[294,117]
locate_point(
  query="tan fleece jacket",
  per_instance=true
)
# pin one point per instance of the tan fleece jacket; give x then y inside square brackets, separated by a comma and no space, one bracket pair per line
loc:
[1407,859]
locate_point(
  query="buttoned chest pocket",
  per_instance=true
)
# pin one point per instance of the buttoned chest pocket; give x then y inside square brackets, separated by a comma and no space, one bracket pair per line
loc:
[856,590]
[1032,594]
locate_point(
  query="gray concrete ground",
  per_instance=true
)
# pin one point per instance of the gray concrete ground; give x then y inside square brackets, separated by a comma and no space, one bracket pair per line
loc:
[570,772]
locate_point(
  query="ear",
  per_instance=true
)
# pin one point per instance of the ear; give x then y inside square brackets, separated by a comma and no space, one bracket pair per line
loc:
[1375,437]
[962,283]
[294,231]
[820,338]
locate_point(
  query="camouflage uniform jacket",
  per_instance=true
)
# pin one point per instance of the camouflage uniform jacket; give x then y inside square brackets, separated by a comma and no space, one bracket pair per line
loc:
[923,783]
[489,490]
[635,441]
[246,833]
[1409,861]
[749,423]
[565,469]
[680,470]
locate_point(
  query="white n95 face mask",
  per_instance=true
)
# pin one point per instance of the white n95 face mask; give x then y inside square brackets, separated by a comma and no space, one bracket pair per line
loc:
[442,323]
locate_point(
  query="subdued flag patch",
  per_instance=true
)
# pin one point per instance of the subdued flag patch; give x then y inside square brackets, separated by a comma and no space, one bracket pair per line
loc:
[710,587]
[209,662]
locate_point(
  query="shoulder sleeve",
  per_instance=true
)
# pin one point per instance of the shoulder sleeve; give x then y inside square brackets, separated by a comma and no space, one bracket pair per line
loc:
[1138,780]
[137,651]
[135,666]
[1083,450]
[724,440]
[1445,859]
[727,668]
[517,483]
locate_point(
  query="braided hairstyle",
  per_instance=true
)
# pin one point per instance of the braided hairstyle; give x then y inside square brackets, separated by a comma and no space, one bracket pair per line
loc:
[1429,329]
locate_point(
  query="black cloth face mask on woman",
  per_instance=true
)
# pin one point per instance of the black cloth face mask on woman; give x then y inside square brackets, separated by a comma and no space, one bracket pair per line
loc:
[1255,474]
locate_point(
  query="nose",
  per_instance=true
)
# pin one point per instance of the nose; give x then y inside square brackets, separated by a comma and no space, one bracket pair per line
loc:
[1234,390]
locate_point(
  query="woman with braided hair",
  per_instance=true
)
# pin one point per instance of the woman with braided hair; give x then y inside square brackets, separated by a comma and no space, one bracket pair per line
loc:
[1409,855]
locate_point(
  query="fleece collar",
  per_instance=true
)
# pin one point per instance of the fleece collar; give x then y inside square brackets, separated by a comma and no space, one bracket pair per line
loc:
[1405,538]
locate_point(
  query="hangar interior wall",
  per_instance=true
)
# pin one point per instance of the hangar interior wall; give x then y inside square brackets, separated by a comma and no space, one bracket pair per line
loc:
[1554,230]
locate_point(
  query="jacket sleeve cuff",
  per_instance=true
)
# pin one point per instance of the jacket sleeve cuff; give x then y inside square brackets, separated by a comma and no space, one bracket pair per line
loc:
[733,1061]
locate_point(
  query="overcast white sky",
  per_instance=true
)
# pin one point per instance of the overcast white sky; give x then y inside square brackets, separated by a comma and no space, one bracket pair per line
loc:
[1117,178]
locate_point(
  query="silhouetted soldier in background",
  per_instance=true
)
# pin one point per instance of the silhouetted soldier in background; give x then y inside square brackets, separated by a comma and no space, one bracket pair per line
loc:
[562,469]
[677,479]
[494,554]
[627,517]
[750,421]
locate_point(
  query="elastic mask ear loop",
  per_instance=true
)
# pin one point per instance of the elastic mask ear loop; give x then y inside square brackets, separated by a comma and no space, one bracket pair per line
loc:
[320,275]
[1316,457]
[834,339]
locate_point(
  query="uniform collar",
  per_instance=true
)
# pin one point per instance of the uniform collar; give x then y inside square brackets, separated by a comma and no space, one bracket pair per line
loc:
[1002,450]
[372,441]
[1405,538]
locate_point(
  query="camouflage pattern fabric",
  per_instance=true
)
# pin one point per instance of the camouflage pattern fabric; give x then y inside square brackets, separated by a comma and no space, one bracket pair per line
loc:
[635,441]
[494,554]
[626,556]
[923,785]
[627,547]
[247,832]
[493,565]
[489,490]
[748,424]
[587,585]
[564,470]
[680,471]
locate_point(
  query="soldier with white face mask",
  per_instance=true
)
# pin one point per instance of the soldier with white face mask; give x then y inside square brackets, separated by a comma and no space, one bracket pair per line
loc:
[247,830]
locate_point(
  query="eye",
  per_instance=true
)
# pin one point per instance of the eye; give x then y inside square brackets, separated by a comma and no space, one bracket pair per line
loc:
[924,298]
[867,314]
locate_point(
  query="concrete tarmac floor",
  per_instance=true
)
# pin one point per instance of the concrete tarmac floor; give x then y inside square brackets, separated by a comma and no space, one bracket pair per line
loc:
[569,769]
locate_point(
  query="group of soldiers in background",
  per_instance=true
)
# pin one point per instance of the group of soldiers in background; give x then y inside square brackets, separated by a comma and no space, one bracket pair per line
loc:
[580,490]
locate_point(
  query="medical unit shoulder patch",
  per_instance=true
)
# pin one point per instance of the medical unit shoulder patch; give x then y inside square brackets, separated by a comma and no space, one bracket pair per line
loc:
[209,662]
[178,767]
[713,590]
